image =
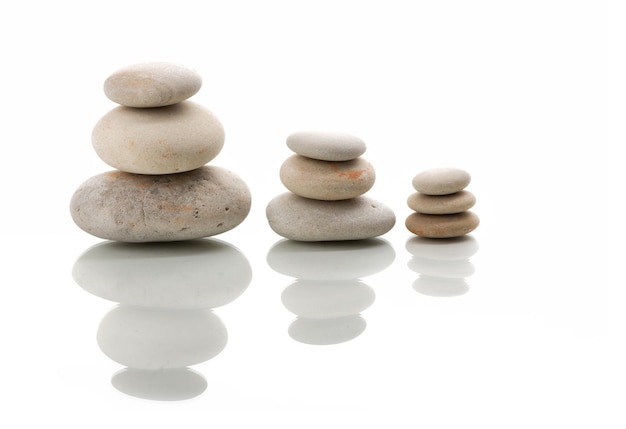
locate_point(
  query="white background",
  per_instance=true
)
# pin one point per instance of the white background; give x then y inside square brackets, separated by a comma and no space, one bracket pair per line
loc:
[514,92]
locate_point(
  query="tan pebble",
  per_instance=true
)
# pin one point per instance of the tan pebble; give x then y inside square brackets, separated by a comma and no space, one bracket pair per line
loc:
[327,180]
[153,84]
[441,181]
[441,204]
[442,226]
[162,140]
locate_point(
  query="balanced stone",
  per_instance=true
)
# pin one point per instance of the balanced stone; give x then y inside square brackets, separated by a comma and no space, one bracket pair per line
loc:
[129,207]
[441,204]
[441,181]
[153,84]
[326,146]
[162,140]
[304,219]
[327,180]
[442,226]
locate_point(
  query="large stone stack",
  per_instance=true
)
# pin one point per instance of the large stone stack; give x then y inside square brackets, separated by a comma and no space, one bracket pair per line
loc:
[159,142]
[326,179]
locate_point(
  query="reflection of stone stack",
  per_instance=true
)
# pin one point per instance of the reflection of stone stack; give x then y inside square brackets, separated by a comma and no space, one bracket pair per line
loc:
[327,179]
[441,204]
[442,265]
[164,323]
[159,142]
[328,294]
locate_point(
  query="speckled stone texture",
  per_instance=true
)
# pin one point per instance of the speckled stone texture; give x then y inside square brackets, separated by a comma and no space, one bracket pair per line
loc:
[442,226]
[326,146]
[441,181]
[152,84]
[441,204]
[327,180]
[162,140]
[141,208]
[305,219]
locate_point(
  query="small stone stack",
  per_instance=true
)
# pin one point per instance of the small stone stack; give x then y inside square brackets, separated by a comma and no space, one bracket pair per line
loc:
[441,204]
[159,142]
[327,179]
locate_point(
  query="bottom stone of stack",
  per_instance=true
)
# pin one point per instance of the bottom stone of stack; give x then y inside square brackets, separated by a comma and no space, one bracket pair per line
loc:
[129,207]
[304,219]
[442,226]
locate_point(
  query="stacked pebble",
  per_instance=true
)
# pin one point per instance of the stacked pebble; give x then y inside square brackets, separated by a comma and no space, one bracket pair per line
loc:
[159,142]
[326,179]
[441,204]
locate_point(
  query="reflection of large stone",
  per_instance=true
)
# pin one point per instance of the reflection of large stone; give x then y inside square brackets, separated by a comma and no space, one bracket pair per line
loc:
[155,338]
[327,331]
[203,273]
[330,260]
[175,384]
[323,300]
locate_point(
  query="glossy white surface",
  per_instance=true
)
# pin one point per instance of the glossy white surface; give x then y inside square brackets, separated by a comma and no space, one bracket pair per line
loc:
[517,326]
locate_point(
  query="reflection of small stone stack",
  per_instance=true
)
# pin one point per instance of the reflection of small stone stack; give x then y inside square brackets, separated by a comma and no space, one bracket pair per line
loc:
[441,204]
[443,265]
[327,179]
[159,142]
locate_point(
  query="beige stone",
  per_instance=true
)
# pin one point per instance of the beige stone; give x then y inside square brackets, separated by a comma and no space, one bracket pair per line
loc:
[152,84]
[327,180]
[326,145]
[442,226]
[441,204]
[141,208]
[441,181]
[162,140]
[304,219]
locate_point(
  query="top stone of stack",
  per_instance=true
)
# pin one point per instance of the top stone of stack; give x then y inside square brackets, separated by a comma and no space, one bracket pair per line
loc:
[326,146]
[152,84]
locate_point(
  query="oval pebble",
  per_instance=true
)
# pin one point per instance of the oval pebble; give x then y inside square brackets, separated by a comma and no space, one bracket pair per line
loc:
[157,338]
[320,332]
[441,181]
[162,140]
[339,260]
[152,84]
[326,146]
[326,300]
[442,226]
[327,180]
[304,219]
[174,384]
[139,208]
[204,273]
[441,204]
[440,286]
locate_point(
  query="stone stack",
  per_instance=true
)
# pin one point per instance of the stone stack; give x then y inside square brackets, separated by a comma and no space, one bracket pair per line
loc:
[159,142]
[441,204]
[327,180]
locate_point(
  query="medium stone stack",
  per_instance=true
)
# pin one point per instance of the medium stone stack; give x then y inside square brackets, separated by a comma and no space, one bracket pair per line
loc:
[326,179]
[441,204]
[159,142]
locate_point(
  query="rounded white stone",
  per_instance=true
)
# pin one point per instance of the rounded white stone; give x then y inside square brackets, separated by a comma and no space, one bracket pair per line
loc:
[329,261]
[319,332]
[204,273]
[326,146]
[152,84]
[327,180]
[441,204]
[441,181]
[151,338]
[139,208]
[163,140]
[174,384]
[304,219]
[326,300]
